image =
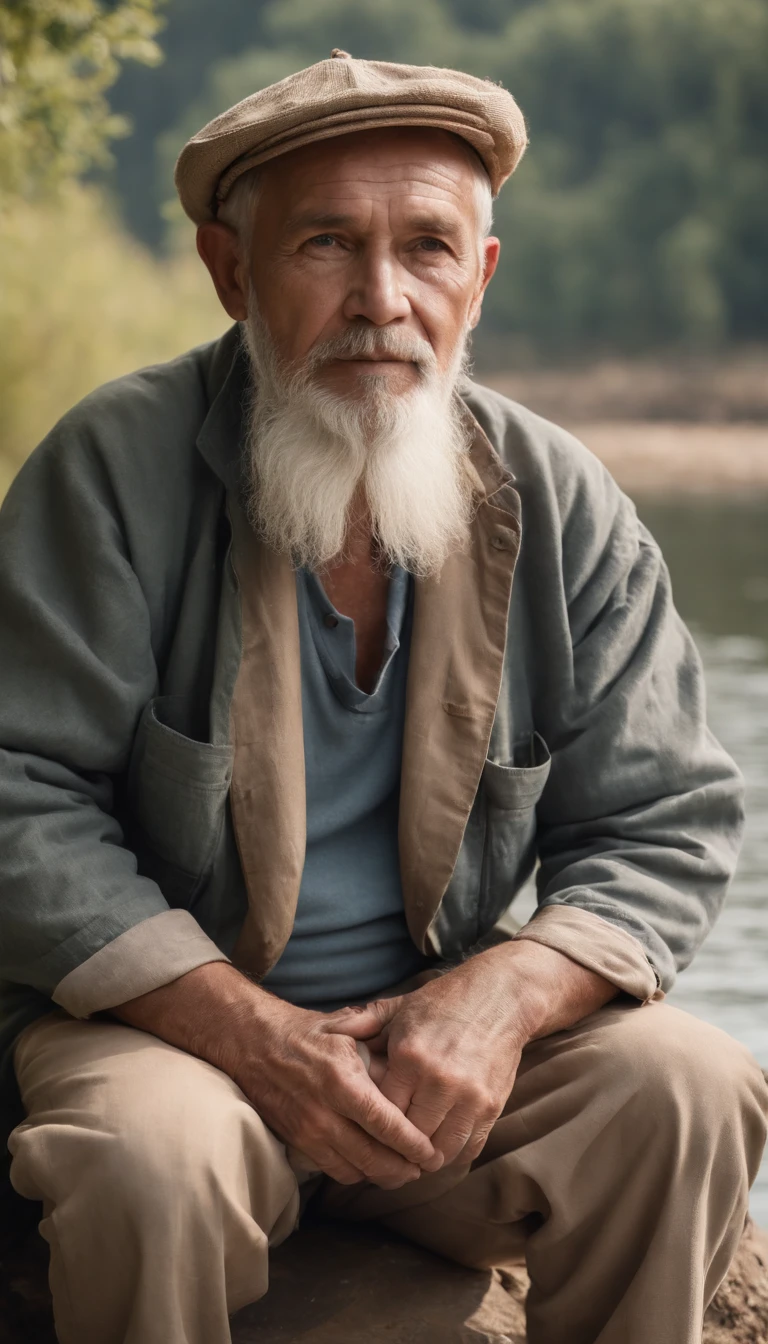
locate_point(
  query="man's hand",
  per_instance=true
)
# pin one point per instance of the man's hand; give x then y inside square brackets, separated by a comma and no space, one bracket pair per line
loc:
[447,1054]
[299,1070]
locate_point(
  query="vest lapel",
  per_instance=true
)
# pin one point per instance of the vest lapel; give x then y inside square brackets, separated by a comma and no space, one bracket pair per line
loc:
[454,679]
[268,795]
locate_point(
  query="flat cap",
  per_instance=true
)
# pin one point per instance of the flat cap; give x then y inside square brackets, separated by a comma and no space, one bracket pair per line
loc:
[341,95]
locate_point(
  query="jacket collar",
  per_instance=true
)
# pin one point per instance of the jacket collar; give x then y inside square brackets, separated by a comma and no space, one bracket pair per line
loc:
[221,440]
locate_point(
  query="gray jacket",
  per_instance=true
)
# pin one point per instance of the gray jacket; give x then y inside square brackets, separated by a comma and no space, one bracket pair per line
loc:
[151,764]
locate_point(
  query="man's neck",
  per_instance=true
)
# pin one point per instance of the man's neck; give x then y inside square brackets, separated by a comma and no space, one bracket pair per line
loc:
[358,587]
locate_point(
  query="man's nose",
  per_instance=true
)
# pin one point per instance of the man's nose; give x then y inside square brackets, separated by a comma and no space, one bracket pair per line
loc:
[376,290]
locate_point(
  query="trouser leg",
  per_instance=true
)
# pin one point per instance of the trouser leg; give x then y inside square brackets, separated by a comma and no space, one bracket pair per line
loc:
[621,1166]
[161,1186]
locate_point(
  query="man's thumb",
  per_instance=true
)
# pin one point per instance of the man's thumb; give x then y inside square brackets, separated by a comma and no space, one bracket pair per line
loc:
[370,1020]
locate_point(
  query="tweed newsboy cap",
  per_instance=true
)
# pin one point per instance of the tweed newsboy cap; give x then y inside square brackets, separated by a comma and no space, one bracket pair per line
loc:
[335,97]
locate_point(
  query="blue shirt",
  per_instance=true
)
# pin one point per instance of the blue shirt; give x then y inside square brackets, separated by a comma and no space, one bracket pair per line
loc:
[350,939]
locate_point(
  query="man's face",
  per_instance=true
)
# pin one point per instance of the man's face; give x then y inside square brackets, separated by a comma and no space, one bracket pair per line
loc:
[380,229]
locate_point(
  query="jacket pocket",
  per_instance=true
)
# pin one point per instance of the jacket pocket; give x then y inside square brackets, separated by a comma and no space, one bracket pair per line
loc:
[517,787]
[510,792]
[176,795]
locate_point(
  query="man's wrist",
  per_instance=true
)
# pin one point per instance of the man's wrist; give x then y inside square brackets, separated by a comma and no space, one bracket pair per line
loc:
[209,1012]
[548,990]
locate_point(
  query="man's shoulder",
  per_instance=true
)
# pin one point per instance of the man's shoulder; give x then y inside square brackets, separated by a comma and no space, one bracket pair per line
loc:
[164,402]
[132,443]
[572,506]
[538,452]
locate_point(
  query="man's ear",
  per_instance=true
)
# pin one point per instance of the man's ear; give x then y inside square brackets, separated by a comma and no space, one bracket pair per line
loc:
[219,248]
[491,250]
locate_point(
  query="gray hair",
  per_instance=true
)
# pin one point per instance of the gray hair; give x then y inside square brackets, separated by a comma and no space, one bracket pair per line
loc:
[239,208]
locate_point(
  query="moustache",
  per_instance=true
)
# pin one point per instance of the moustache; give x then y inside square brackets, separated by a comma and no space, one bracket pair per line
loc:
[373,343]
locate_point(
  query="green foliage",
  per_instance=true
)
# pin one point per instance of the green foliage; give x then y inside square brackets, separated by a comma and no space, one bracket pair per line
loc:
[390,30]
[640,214]
[81,302]
[197,34]
[57,59]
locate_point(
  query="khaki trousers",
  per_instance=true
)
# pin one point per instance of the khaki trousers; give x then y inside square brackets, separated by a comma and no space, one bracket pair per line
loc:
[620,1169]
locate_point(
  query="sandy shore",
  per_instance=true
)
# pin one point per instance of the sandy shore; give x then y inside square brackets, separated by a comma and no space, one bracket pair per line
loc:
[714,390]
[651,458]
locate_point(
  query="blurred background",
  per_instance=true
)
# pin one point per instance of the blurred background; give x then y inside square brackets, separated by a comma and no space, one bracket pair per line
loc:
[631,303]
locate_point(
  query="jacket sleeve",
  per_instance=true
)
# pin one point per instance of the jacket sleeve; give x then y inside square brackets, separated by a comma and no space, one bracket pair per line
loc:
[640,822]
[76,668]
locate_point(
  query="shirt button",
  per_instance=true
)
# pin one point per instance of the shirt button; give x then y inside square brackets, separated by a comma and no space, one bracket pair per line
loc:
[330,621]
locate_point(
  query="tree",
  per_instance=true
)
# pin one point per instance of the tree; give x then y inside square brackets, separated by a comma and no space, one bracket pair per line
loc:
[639,216]
[57,59]
[197,33]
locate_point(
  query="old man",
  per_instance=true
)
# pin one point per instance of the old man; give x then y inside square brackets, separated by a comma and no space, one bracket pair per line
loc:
[310,649]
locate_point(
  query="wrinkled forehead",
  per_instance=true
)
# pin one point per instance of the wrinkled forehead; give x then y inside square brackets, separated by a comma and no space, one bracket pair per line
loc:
[408,166]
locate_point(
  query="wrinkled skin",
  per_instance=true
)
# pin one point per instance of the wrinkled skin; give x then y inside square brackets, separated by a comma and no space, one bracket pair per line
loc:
[444,1056]
[378,227]
[447,1053]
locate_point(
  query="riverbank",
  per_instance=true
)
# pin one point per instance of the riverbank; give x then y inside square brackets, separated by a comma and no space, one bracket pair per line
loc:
[651,459]
[716,390]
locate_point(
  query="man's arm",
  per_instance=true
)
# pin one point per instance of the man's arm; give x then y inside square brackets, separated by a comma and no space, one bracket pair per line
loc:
[639,825]
[299,1069]
[77,922]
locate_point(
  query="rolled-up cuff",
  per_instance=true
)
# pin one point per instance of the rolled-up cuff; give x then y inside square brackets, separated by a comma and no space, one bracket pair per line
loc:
[596,944]
[152,953]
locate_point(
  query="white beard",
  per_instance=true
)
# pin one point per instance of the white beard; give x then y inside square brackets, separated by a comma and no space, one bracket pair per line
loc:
[311,450]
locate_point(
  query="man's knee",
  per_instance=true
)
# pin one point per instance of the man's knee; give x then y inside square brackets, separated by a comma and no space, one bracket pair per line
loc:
[155,1134]
[684,1076]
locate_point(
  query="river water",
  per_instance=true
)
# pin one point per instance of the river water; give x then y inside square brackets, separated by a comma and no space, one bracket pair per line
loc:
[717,551]
[718,556]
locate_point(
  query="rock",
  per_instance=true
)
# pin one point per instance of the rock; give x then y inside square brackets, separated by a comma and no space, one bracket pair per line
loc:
[343,1283]
[340,1283]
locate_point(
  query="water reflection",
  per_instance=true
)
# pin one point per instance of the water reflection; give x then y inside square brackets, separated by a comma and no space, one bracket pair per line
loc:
[717,552]
[718,556]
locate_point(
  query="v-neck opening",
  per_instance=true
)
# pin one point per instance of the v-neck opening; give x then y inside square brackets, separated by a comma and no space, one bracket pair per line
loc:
[333,635]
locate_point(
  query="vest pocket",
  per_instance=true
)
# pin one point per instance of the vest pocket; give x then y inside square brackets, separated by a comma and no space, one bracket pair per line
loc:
[176,799]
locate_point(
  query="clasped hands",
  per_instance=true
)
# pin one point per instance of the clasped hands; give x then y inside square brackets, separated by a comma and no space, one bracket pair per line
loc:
[443,1061]
[443,1058]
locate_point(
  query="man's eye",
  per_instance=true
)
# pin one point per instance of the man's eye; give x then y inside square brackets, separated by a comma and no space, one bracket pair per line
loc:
[323,240]
[432,245]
